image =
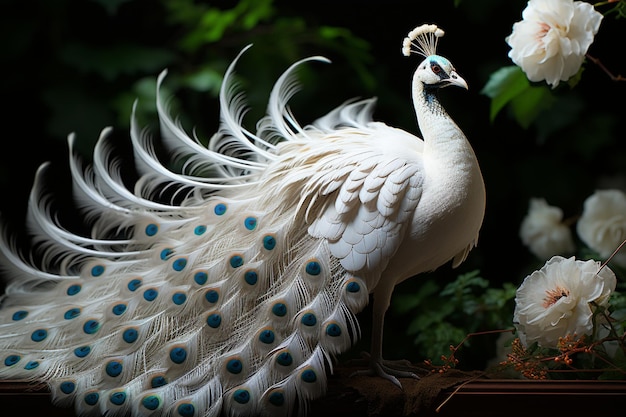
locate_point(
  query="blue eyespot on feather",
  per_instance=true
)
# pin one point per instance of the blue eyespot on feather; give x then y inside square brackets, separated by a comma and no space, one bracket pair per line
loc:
[67,387]
[220,209]
[151,229]
[267,336]
[178,355]
[212,296]
[214,320]
[353,287]
[179,298]
[200,277]
[97,270]
[236,261]
[150,294]
[133,284]
[277,398]
[186,410]
[82,351]
[251,277]
[119,309]
[309,319]
[269,242]
[91,398]
[179,264]
[114,368]
[19,315]
[284,358]
[31,365]
[117,398]
[39,335]
[308,375]
[279,309]
[250,223]
[313,268]
[333,330]
[166,253]
[234,366]
[151,402]
[199,230]
[241,396]
[91,326]
[73,289]
[158,381]
[130,335]
[12,360]
[72,313]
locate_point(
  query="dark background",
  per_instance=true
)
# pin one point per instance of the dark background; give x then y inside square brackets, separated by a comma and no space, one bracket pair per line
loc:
[51,86]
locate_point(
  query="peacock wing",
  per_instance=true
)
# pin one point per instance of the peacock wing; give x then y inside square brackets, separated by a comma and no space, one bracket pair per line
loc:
[368,206]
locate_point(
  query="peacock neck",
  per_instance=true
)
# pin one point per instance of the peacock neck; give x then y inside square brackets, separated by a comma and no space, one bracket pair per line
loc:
[443,139]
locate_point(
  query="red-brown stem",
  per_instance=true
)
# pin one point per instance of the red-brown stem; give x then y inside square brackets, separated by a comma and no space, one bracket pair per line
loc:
[614,252]
[605,69]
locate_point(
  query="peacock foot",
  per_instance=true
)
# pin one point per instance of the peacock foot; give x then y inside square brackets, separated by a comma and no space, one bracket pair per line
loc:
[389,370]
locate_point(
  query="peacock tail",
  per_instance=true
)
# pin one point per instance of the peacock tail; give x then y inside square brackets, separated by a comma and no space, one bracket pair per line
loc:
[234,297]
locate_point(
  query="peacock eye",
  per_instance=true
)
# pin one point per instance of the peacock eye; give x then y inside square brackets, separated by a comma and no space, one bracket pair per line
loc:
[435,68]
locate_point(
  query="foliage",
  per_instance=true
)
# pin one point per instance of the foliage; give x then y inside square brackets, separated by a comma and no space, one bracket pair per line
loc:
[509,86]
[443,316]
[92,84]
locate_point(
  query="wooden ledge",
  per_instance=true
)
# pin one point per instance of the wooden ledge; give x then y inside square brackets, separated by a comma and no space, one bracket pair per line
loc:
[451,394]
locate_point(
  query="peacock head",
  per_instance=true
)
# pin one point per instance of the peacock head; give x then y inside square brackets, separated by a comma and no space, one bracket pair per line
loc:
[434,71]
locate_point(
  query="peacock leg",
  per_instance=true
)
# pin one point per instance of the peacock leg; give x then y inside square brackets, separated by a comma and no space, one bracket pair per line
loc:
[390,370]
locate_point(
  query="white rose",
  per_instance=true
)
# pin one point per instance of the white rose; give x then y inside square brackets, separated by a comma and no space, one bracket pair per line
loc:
[543,232]
[602,225]
[554,301]
[552,39]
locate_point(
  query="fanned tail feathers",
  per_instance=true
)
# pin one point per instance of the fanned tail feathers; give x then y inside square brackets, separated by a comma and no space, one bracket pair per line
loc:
[222,302]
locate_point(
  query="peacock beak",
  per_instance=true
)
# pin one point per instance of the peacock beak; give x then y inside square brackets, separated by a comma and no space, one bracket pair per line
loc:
[456,79]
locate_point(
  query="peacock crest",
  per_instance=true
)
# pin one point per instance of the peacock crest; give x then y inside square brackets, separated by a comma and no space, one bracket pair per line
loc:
[424,39]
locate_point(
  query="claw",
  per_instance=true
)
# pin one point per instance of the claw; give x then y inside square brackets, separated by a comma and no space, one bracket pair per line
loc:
[389,370]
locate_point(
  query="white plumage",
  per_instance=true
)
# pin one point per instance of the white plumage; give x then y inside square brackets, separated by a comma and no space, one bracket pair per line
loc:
[237,299]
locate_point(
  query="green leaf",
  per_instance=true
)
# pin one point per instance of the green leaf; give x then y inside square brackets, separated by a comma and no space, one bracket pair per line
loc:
[404,302]
[463,284]
[503,86]
[255,12]
[530,103]
[206,79]
[425,322]
[209,24]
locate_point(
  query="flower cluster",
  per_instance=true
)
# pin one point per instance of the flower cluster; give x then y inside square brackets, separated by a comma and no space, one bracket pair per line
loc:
[551,40]
[563,310]
[568,317]
[601,227]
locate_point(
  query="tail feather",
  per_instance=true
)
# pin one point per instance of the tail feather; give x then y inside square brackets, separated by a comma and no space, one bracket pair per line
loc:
[197,292]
